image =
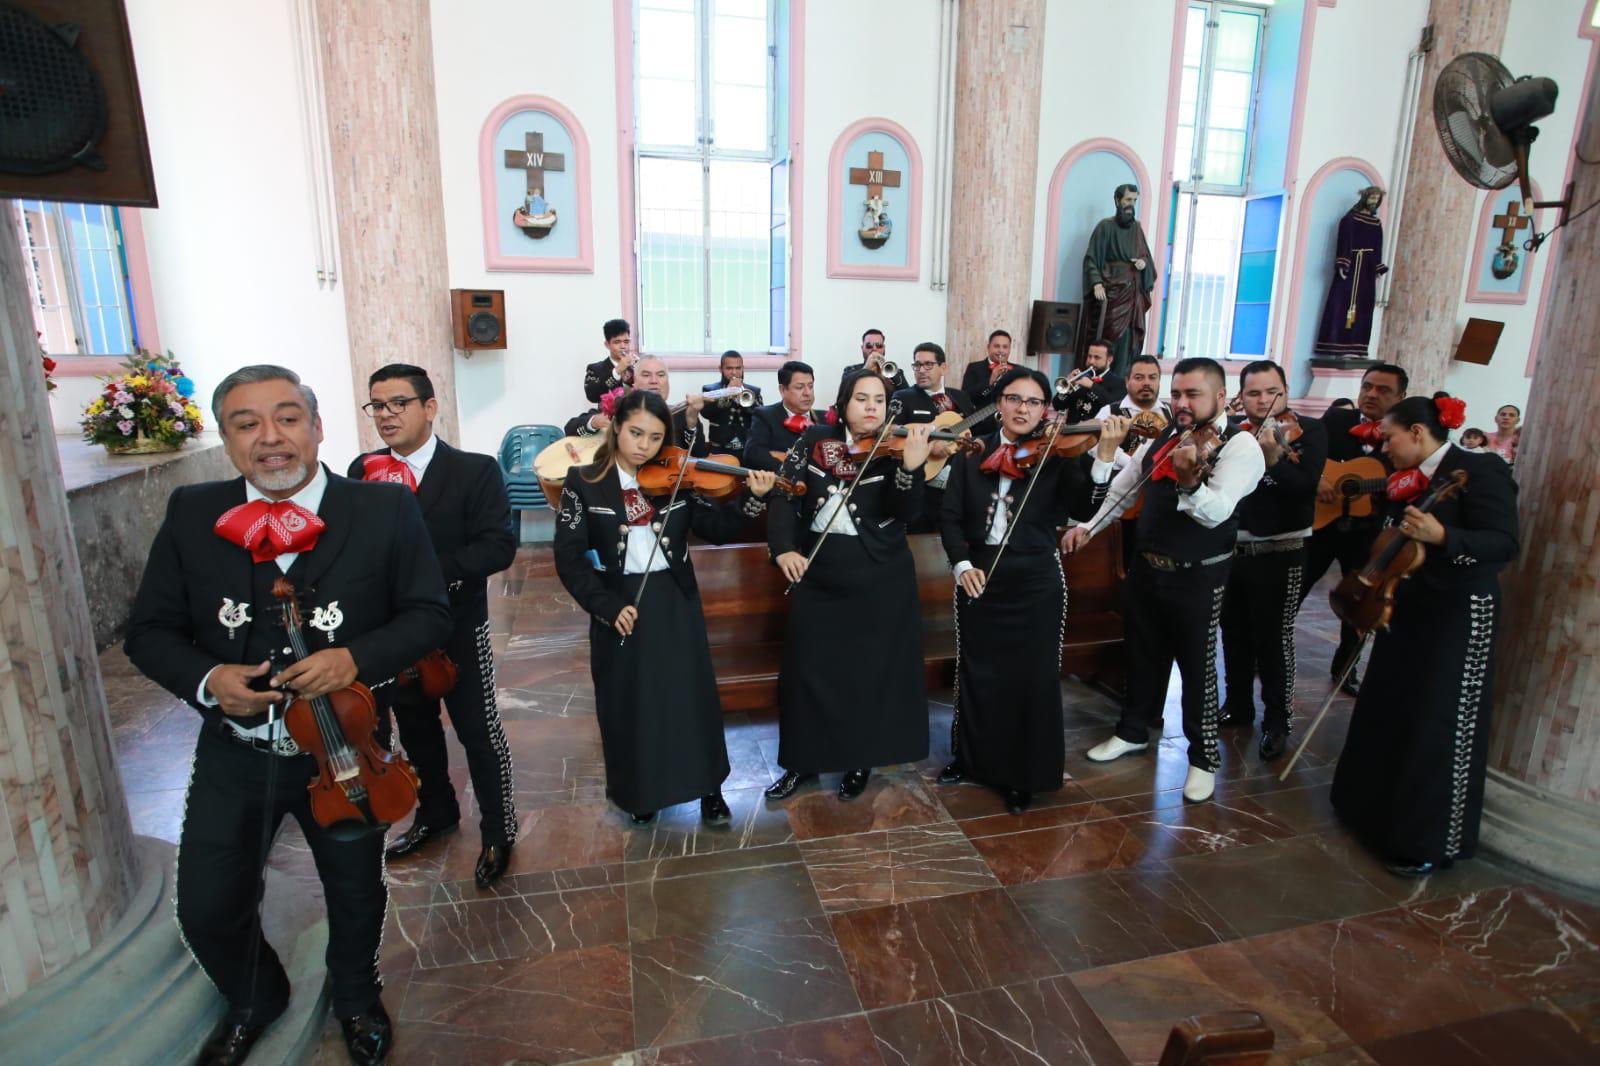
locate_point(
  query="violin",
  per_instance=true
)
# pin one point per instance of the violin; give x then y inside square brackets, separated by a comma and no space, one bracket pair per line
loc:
[894,442]
[714,476]
[434,675]
[360,787]
[1285,428]
[1365,599]
[1074,439]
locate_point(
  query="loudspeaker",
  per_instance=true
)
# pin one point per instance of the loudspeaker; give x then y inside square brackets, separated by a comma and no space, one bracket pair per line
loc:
[73,127]
[1053,328]
[478,318]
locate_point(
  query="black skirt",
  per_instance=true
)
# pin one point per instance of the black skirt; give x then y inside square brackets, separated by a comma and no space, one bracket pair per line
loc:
[1008,728]
[851,691]
[1410,779]
[656,698]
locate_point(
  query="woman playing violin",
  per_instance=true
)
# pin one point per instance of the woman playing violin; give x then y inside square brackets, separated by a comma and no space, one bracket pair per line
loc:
[1007,731]
[850,704]
[655,694]
[1410,779]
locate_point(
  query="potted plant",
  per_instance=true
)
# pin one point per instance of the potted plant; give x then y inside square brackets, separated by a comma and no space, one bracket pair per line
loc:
[147,407]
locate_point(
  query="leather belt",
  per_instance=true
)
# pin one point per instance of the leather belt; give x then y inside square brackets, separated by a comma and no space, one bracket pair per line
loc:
[1168,565]
[1269,547]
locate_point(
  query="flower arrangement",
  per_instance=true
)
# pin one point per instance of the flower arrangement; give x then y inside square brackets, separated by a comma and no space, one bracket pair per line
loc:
[148,407]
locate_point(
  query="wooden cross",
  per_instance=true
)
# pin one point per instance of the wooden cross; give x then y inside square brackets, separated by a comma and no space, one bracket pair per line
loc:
[1510,222]
[535,160]
[874,177]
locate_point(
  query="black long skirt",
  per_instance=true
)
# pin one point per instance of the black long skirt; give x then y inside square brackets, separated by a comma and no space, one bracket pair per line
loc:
[851,691]
[1008,722]
[1410,779]
[656,698]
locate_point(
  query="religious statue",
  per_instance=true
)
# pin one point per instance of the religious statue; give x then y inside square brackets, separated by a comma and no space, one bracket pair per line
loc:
[1118,276]
[875,224]
[534,217]
[1346,325]
[535,213]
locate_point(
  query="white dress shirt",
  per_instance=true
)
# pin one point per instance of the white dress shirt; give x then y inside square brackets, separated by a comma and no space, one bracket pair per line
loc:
[641,539]
[1002,516]
[418,460]
[1430,465]
[310,498]
[1234,476]
[1128,409]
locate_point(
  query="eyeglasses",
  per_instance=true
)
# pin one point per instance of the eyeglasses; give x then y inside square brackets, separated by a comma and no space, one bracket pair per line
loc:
[397,406]
[1030,402]
[924,365]
[873,346]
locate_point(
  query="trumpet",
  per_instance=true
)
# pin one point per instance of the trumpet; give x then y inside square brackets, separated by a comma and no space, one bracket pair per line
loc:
[1067,384]
[737,395]
[888,369]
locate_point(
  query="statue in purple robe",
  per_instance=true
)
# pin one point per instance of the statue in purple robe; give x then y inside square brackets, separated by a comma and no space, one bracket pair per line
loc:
[1358,262]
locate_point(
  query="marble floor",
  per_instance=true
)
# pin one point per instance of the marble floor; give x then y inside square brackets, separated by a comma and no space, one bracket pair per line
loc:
[920,923]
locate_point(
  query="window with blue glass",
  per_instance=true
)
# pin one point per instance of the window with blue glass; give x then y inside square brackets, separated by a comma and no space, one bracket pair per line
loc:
[77,277]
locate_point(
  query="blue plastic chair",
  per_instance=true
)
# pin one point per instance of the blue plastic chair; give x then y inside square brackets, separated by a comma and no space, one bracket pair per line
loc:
[518,448]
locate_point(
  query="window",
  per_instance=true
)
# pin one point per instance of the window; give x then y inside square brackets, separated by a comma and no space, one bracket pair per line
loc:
[1222,50]
[707,226]
[77,277]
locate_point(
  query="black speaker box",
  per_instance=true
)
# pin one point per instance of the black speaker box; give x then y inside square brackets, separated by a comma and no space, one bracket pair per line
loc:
[1053,329]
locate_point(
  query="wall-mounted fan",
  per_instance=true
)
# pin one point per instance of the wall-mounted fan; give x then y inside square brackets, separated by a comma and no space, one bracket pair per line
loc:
[1485,118]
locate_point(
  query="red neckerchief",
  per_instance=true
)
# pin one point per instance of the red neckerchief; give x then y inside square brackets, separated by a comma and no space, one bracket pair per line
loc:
[380,467]
[268,530]
[636,509]
[797,423]
[1161,467]
[1406,485]
[942,402]
[1003,461]
[833,455]
[1368,433]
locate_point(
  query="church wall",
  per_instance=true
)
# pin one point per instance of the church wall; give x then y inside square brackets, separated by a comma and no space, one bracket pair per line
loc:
[232,247]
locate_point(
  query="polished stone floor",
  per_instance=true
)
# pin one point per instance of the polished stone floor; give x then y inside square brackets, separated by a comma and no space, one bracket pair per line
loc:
[923,924]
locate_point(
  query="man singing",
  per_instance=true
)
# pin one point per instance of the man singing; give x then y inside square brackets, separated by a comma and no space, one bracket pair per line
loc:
[463,501]
[205,626]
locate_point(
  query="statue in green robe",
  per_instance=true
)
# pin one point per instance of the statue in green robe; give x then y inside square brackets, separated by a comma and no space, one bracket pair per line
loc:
[1118,277]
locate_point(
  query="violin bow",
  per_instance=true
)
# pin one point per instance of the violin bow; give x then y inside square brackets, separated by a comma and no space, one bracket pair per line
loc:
[844,504]
[1129,493]
[655,547]
[1055,431]
[1322,712]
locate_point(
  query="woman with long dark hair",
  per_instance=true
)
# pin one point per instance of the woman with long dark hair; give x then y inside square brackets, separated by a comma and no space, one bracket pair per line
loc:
[851,691]
[1410,779]
[655,694]
[1007,731]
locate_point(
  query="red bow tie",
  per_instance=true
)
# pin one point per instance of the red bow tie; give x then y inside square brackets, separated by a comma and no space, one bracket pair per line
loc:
[1161,467]
[381,467]
[1003,461]
[1246,427]
[943,403]
[1098,379]
[636,509]
[797,423]
[1370,433]
[268,530]
[1406,485]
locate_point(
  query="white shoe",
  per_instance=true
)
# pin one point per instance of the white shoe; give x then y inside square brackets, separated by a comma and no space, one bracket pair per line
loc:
[1199,785]
[1115,748]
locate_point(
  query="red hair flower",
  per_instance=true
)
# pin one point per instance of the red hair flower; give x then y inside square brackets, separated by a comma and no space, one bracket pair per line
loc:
[832,417]
[609,401]
[1452,412]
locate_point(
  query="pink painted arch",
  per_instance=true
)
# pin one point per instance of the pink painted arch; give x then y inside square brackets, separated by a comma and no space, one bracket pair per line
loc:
[1058,179]
[837,268]
[494,257]
[1480,243]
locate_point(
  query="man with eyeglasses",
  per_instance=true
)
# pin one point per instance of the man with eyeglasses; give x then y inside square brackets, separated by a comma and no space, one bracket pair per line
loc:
[873,354]
[463,501]
[924,402]
[1187,530]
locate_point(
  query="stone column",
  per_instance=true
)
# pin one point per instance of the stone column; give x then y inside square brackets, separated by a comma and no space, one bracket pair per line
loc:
[67,861]
[383,128]
[1436,227]
[995,161]
[1542,805]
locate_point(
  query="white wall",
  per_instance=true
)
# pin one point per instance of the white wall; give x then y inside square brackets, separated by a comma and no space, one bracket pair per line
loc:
[232,246]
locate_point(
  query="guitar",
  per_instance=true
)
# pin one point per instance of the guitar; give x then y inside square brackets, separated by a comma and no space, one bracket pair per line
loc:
[550,465]
[1357,484]
[953,422]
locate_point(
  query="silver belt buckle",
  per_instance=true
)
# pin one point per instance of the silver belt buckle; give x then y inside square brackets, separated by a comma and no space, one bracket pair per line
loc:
[1160,562]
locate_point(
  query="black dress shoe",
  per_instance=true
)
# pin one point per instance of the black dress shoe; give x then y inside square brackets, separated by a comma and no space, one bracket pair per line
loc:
[368,1035]
[1416,870]
[854,783]
[492,863]
[230,1043]
[785,786]
[1017,800]
[1236,717]
[714,810]
[1352,685]
[1273,746]
[643,819]
[414,839]
[952,774]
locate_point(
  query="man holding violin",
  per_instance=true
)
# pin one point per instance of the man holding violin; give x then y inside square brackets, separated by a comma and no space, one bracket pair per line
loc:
[1192,477]
[463,501]
[1263,593]
[205,627]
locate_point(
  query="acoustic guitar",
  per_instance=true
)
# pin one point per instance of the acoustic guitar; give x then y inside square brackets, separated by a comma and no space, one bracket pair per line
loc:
[1357,484]
[953,422]
[551,464]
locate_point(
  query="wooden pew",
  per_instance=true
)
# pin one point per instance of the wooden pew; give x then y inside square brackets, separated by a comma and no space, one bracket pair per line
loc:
[747,612]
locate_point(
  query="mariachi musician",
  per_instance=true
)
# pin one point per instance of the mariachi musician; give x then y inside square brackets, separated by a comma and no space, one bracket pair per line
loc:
[204,627]
[775,428]
[981,380]
[923,402]
[730,422]
[615,371]
[463,501]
